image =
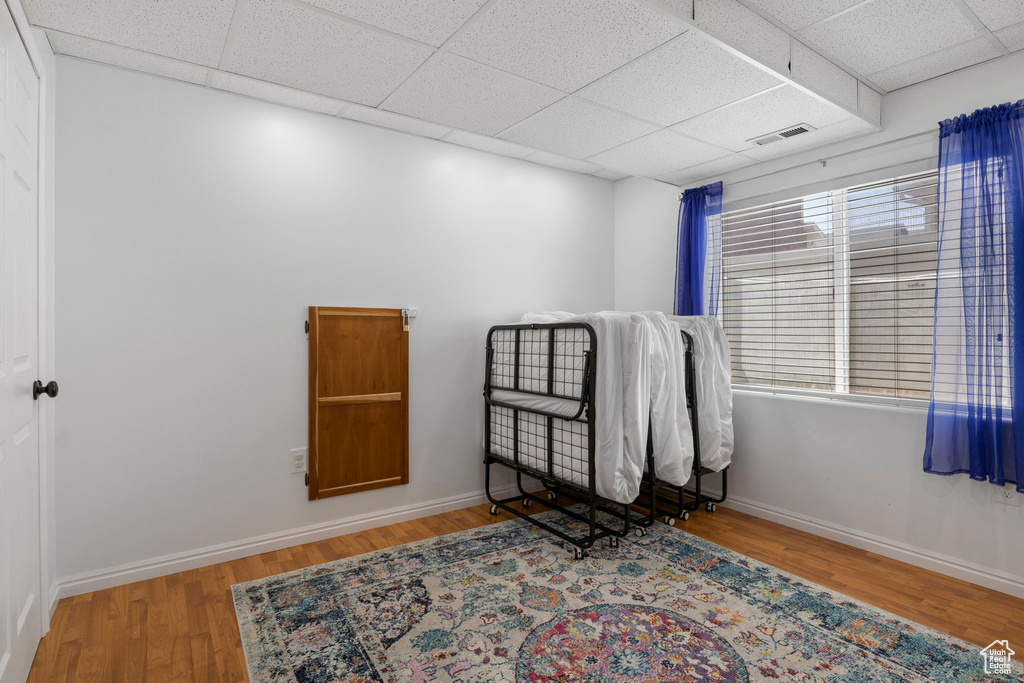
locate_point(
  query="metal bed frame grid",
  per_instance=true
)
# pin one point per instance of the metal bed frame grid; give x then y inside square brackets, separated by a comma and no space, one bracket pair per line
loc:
[558,360]
[554,360]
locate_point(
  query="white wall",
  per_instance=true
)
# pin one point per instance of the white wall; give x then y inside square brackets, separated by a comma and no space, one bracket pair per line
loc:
[848,471]
[853,472]
[646,213]
[195,227]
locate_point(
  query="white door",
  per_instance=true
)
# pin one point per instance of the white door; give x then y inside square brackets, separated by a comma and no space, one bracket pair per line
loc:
[20,616]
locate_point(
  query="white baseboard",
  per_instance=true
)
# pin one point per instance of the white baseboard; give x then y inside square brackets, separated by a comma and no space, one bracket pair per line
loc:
[170,564]
[224,552]
[920,557]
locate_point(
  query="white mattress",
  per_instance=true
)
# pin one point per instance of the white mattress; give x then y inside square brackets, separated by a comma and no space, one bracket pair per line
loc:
[671,432]
[549,404]
[621,405]
[714,389]
[641,381]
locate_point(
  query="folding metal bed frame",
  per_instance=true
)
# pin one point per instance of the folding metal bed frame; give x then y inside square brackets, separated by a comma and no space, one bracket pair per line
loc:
[669,499]
[551,361]
[559,361]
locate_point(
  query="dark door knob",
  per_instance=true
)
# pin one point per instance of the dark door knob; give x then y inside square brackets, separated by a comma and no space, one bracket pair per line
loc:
[49,389]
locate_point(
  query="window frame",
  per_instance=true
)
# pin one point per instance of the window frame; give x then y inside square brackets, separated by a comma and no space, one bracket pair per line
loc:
[842,250]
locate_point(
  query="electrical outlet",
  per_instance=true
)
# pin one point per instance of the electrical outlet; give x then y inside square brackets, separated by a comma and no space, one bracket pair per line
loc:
[1008,496]
[298,460]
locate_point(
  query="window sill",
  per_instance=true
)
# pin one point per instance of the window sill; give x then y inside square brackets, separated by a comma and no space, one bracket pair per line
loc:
[855,400]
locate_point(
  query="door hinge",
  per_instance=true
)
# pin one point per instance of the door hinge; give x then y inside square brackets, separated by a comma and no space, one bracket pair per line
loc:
[307,478]
[307,327]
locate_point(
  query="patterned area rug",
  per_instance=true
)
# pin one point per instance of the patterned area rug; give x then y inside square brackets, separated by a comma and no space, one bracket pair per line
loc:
[506,604]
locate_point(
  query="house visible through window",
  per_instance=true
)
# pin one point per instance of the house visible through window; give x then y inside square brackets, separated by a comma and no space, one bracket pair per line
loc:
[835,291]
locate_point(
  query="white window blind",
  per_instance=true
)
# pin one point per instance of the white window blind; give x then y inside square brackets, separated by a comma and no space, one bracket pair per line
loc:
[834,292]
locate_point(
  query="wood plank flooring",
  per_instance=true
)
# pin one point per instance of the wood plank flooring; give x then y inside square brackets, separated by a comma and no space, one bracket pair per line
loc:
[182,627]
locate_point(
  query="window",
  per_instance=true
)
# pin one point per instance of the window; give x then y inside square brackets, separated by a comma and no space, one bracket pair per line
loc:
[836,291]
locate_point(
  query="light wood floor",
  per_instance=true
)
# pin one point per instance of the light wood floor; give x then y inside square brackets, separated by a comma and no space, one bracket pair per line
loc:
[182,627]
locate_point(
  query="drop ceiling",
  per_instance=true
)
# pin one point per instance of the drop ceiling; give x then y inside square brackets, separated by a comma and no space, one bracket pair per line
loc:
[668,89]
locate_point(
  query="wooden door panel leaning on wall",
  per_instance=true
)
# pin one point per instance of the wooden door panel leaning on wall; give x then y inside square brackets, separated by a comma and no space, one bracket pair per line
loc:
[358,400]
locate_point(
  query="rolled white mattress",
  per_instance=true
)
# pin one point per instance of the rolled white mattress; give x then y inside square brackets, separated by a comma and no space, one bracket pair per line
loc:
[563,407]
[714,389]
[671,431]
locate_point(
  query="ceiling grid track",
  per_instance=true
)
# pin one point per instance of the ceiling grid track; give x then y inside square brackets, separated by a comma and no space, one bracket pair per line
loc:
[361,24]
[980,27]
[577,91]
[241,8]
[852,8]
[444,46]
[794,35]
[744,53]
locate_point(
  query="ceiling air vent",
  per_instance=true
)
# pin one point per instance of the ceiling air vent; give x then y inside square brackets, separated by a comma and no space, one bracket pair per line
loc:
[778,135]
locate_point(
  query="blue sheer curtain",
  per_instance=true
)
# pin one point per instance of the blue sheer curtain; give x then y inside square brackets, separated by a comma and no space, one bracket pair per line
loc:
[976,414]
[698,251]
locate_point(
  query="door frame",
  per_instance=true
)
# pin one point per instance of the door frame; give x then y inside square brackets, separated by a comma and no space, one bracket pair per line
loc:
[43,62]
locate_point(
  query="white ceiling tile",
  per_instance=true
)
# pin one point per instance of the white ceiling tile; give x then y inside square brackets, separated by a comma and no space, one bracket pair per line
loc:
[577,128]
[463,94]
[869,103]
[1012,37]
[936,64]
[997,14]
[884,33]
[657,154]
[305,48]
[744,29]
[732,125]
[797,14]
[549,159]
[609,174]
[849,128]
[687,77]
[126,58]
[684,7]
[387,119]
[190,30]
[428,21]
[564,44]
[816,72]
[488,144]
[707,171]
[272,92]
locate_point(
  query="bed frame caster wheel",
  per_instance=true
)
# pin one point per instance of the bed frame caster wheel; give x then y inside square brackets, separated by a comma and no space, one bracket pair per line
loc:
[578,554]
[670,520]
[710,507]
[613,542]
[527,502]
[494,509]
[686,515]
[641,531]
[552,495]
